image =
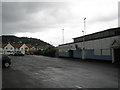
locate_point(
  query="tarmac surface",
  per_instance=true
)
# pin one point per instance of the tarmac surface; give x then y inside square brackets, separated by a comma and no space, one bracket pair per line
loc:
[33,71]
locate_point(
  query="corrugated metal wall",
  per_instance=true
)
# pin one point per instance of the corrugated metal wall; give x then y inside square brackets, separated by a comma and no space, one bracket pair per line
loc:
[94,49]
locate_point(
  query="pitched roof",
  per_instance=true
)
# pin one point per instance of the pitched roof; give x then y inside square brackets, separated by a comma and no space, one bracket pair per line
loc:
[3,45]
[31,50]
[16,45]
[29,45]
[99,35]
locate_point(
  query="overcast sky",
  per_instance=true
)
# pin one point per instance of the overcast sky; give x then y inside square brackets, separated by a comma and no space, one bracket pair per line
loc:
[45,20]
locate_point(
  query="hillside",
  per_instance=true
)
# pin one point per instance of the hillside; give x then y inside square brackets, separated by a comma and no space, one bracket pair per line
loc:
[22,40]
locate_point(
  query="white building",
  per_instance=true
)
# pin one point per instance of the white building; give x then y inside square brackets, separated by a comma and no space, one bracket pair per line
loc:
[103,45]
[13,48]
[24,48]
[8,49]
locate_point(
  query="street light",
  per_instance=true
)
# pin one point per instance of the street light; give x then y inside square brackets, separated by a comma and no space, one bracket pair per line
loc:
[83,52]
[84,25]
[84,32]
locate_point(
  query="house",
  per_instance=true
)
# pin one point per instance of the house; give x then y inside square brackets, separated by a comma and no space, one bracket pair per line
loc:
[24,49]
[8,48]
[27,49]
[31,49]
[16,47]
[42,47]
[13,48]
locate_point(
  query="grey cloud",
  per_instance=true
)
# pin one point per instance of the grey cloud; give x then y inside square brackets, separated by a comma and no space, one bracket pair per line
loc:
[105,18]
[19,16]
[0,18]
[13,28]
[12,12]
[36,6]
[119,14]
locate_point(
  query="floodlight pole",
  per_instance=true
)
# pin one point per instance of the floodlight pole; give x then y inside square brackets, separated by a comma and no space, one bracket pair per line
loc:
[84,26]
[84,32]
[83,51]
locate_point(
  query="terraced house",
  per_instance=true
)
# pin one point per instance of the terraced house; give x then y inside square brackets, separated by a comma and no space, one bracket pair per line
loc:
[13,48]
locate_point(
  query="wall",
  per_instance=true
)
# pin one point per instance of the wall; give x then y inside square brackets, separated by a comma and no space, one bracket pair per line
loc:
[9,49]
[90,54]
[77,54]
[22,48]
[64,54]
[95,49]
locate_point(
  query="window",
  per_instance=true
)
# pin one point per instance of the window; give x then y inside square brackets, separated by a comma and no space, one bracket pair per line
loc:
[6,48]
[106,52]
[26,48]
[97,52]
[11,48]
[76,46]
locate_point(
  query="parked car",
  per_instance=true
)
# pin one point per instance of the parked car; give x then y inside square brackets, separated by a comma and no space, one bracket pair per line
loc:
[18,54]
[6,61]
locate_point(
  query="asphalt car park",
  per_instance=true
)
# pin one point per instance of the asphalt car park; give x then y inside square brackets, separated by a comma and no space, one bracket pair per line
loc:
[33,71]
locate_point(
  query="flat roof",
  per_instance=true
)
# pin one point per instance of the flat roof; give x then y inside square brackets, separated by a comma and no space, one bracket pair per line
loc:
[97,35]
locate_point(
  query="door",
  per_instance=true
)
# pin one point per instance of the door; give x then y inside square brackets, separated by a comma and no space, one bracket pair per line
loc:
[117,55]
[71,53]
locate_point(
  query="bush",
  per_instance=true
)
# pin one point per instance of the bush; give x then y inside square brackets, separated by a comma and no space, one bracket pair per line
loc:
[51,51]
[39,52]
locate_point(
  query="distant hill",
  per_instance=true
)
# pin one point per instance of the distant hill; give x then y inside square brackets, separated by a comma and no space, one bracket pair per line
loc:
[22,40]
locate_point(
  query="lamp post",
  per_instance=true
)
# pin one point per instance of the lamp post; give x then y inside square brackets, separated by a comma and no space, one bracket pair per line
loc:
[84,32]
[83,47]
[84,26]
